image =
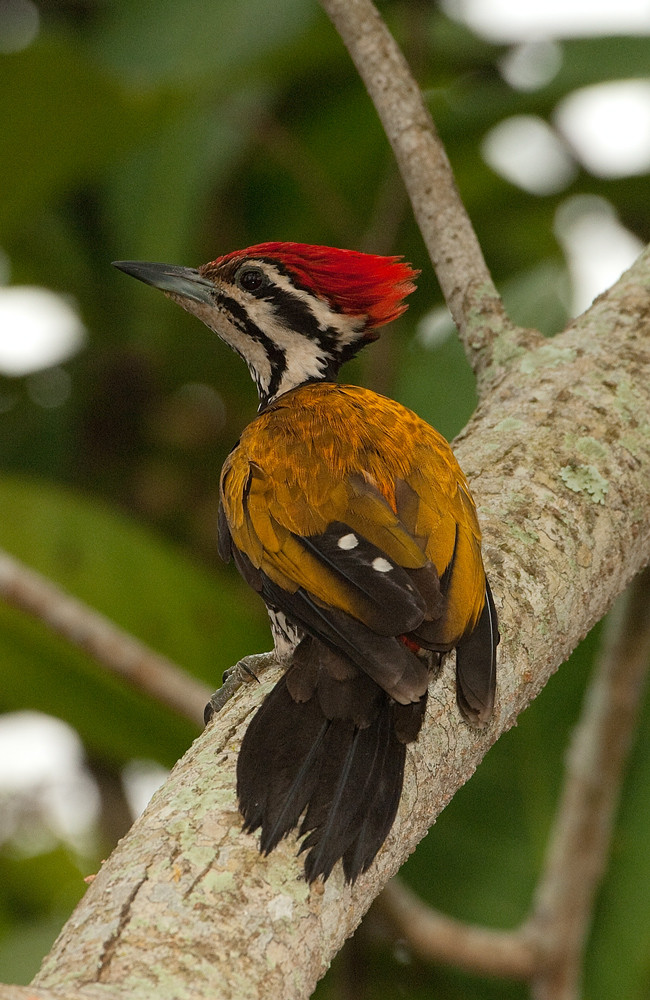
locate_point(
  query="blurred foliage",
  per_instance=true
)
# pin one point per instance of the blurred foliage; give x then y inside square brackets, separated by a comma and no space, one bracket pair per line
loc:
[116,566]
[163,131]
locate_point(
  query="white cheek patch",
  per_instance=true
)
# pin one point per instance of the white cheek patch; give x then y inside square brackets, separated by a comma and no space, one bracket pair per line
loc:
[304,359]
[381,565]
[347,542]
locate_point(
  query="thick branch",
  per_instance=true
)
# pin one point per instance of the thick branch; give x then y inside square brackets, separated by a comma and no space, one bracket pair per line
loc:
[28,993]
[455,252]
[115,649]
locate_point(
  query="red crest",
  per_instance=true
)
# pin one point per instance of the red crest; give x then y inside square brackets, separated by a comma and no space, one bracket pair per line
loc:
[357,284]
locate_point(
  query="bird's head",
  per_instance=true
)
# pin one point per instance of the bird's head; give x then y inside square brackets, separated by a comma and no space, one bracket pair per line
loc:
[293,312]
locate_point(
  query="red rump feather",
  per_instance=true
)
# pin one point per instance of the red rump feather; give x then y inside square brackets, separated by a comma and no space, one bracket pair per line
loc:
[357,284]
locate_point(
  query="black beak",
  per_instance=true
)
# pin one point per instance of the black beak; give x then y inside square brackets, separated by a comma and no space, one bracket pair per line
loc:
[184,282]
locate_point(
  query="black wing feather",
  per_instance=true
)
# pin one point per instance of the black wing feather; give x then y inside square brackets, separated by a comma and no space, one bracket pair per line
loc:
[399,606]
[390,663]
[476,657]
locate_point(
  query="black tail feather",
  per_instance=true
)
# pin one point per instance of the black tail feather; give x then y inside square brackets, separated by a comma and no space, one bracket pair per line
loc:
[476,658]
[268,767]
[354,822]
[326,750]
[294,804]
[376,813]
[328,815]
[346,780]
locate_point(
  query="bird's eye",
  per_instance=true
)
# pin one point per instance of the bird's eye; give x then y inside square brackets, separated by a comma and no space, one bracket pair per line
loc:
[251,279]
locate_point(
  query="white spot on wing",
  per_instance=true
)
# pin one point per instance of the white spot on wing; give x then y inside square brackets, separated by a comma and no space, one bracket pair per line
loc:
[349,541]
[381,565]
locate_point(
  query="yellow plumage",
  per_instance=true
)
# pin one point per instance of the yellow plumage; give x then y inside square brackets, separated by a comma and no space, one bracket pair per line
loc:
[326,453]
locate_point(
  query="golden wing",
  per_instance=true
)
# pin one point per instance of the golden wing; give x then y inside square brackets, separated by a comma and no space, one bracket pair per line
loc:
[360,558]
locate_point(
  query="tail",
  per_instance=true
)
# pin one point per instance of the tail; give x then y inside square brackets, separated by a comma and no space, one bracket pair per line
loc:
[343,779]
[476,659]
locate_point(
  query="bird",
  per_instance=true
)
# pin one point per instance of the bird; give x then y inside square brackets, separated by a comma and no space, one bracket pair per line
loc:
[352,519]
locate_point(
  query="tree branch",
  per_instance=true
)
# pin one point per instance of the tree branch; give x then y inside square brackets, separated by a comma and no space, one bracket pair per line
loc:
[28,993]
[580,841]
[115,649]
[435,937]
[456,255]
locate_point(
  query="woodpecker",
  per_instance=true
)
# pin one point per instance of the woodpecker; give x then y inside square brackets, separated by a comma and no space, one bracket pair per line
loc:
[351,517]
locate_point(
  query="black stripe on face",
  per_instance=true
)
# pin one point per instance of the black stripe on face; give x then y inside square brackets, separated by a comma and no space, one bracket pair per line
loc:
[295,280]
[293,311]
[330,340]
[296,312]
[277,357]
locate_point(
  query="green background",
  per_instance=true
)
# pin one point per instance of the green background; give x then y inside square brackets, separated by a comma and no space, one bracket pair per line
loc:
[148,129]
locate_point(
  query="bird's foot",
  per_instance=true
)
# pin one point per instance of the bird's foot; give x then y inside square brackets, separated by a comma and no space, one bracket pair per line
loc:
[246,670]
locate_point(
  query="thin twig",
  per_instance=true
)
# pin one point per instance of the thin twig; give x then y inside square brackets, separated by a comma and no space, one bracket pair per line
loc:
[579,844]
[435,937]
[115,649]
[451,241]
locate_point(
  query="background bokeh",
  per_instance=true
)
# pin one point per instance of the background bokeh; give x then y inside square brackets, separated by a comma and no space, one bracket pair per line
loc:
[149,129]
